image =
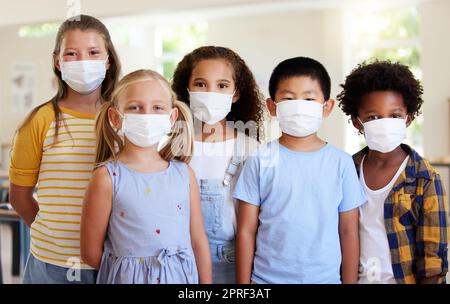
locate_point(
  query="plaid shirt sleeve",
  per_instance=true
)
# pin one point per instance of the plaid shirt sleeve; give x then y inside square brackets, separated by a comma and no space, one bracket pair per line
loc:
[432,231]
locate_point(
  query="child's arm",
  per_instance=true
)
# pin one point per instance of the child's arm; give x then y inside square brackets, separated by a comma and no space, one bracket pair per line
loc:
[198,235]
[245,241]
[23,202]
[349,237]
[95,217]
[432,233]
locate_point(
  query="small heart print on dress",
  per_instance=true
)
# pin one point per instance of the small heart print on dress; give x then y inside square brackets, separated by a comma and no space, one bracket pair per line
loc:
[158,231]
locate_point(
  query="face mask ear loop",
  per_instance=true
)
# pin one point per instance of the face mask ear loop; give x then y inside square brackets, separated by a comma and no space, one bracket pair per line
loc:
[362,126]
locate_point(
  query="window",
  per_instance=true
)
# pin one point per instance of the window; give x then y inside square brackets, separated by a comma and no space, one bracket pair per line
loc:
[174,41]
[38,31]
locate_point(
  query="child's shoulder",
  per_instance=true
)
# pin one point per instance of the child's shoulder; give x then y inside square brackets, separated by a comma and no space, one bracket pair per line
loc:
[180,167]
[421,166]
[338,153]
[42,117]
[262,150]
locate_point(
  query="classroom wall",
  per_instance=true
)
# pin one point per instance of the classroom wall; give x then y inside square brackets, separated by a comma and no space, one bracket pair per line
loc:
[136,52]
[22,50]
[264,40]
[435,61]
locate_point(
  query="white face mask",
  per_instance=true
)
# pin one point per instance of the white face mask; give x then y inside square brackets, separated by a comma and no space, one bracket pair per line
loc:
[299,118]
[210,107]
[386,134]
[84,76]
[145,130]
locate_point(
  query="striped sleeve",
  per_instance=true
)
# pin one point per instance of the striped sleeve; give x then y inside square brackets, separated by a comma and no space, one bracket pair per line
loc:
[27,148]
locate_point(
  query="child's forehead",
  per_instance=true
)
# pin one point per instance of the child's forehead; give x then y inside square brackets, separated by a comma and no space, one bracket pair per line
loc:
[299,84]
[78,38]
[146,91]
[382,100]
[216,66]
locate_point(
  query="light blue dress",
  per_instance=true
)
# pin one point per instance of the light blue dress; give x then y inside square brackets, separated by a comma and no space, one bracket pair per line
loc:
[148,239]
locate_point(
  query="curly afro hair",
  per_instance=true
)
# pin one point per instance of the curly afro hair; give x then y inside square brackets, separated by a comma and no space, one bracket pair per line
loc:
[380,76]
[249,106]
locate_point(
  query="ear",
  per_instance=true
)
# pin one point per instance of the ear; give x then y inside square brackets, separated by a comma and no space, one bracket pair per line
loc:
[328,107]
[409,120]
[357,124]
[114,118]
[271,106]
[174,115]
[56,62]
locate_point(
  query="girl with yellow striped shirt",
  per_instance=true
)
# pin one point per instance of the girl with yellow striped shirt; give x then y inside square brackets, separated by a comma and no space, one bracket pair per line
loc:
[54,152]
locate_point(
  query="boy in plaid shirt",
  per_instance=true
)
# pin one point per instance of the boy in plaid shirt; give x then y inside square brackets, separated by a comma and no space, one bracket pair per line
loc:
[404,225]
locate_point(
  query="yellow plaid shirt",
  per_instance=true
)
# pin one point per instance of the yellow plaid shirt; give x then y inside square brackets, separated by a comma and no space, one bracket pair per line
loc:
[416,220]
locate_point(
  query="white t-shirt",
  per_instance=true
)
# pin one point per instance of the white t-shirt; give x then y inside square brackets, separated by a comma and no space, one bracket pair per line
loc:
[211,160]
[375,255]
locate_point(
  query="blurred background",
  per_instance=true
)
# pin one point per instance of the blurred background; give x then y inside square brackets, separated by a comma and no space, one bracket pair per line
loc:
[156,34]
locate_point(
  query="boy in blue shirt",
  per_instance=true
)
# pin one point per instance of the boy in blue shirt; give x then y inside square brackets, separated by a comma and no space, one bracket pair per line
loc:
[299,196]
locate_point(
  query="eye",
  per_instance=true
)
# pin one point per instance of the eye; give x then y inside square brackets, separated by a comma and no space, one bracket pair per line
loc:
[286,98]
[70,53]
[94,53]
[199,84]
[223,85]
[133,108]
[158,108]
[372,117]
[310,99]
[397,116]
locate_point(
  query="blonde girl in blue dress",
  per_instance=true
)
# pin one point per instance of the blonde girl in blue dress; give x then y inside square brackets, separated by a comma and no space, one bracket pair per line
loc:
[142,221]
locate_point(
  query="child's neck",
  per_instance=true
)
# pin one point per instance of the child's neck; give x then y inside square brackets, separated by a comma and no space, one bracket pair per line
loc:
[218,132]
[393,158]
[86,104]
[142,159]
[302,144]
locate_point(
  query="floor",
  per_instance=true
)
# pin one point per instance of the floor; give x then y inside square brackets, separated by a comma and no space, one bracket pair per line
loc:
[6,252]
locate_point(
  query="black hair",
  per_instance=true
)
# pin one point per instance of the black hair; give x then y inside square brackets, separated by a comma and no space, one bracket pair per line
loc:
[300,66]
[380,76]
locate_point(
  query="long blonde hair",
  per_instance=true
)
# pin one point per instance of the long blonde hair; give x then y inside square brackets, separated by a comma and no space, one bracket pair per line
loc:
[179,145]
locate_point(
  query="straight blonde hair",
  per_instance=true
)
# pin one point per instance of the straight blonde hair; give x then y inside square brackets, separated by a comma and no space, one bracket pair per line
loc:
[179,145]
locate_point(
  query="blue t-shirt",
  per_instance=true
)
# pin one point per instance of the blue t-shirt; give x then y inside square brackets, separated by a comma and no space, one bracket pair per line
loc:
[300,196]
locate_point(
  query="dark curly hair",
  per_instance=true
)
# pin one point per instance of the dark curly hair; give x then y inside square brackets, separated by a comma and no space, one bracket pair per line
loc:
[380,76]
[249,106]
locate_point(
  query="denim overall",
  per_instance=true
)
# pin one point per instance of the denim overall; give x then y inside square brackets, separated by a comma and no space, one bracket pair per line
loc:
[214,194]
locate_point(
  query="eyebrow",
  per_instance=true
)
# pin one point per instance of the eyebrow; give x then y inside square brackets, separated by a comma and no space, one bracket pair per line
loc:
[69,48]
[375,111]
[287,92]
[290,92]
[143,101]
[222,80]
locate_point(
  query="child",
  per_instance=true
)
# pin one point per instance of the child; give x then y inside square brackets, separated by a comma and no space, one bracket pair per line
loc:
[298,195]
[142,220]
[404,225]
[54,149]
[224,98]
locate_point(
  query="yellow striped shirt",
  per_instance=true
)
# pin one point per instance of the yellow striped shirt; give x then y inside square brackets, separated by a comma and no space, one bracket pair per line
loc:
[61,170]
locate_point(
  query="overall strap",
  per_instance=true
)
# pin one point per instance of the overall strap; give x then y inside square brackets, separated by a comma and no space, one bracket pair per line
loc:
[236,159]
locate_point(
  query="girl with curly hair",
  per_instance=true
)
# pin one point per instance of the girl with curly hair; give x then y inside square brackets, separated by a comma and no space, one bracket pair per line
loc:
[227,105]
